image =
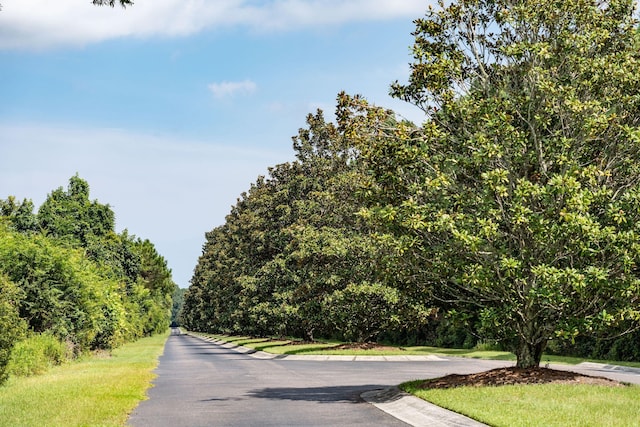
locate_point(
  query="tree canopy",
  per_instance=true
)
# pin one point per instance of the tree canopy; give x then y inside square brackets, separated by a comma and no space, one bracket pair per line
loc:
[293,258]
[513,208]
[65,272]
[521,190]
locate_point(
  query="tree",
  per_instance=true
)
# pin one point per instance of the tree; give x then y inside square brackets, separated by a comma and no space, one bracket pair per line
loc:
[70,215]
[20,214]
[78,280]
[518,200]
[176,306]
[61,292]
[154,289]
[293,257]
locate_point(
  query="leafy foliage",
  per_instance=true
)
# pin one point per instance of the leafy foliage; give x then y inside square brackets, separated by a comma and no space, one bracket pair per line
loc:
[36,354]
[112,3]
[11,325]
[67,275]
[20,215]
[71,216]
[293,253]
[177,304]
[513,210]
[518,199]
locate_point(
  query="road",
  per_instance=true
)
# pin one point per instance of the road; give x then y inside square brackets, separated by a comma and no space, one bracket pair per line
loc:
[200,383]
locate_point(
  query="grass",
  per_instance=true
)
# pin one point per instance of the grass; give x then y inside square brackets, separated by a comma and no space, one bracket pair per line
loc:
[546,405]
[280,346]
[277,346]
[94,391]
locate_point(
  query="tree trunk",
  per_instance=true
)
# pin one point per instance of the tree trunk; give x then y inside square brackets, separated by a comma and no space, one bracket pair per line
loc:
[529,355]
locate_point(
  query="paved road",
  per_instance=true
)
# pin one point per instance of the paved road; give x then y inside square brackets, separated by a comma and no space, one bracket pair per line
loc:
[200,383]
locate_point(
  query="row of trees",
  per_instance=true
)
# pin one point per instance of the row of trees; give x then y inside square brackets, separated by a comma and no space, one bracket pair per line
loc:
[294,259]
[514,208]
[66,272]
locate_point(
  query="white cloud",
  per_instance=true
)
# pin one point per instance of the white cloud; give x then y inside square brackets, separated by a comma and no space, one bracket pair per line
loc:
[227,89]
[41,24]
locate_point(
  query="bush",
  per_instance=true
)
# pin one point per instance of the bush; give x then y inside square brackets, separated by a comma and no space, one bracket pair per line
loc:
[452,334]
[12,328]
[623,348]
[36,354]
[360,312]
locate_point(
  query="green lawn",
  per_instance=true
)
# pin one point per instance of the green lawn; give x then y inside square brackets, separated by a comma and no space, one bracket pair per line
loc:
[280,346]
[549,405]
[94,391]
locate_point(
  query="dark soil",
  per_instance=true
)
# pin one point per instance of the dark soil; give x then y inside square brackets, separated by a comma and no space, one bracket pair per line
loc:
[511,376]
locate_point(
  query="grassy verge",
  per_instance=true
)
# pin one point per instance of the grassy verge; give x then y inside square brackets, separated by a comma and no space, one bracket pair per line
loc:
[547,405]
[96,391]
[279,346]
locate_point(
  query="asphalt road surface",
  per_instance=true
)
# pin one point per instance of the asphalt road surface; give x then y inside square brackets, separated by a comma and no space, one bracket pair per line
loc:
[200,383]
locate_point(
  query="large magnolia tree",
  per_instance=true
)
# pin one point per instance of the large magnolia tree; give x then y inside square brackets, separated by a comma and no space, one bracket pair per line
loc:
[518,200]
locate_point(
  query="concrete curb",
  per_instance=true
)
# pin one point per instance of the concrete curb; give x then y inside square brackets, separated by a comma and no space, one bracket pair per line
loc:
[415,411]
[608,368]
[319,357]
[240,349]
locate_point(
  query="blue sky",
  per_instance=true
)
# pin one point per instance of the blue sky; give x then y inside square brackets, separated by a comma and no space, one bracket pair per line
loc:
[170,109]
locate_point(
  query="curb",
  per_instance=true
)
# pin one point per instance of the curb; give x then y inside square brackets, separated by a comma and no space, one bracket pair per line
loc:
[608,367]
[319,357]
[415,411]
[240,349]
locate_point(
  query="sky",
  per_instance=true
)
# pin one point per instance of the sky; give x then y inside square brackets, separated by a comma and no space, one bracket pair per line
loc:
[170,109]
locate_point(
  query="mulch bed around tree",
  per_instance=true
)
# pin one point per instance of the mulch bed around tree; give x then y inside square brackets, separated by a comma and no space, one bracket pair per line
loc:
[511,376]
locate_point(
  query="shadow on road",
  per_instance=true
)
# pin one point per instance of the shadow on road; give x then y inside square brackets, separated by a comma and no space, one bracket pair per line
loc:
[346,394]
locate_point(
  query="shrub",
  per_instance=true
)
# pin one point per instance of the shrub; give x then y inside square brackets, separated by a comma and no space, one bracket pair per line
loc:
[12,328]
[37,354]
[360,312]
